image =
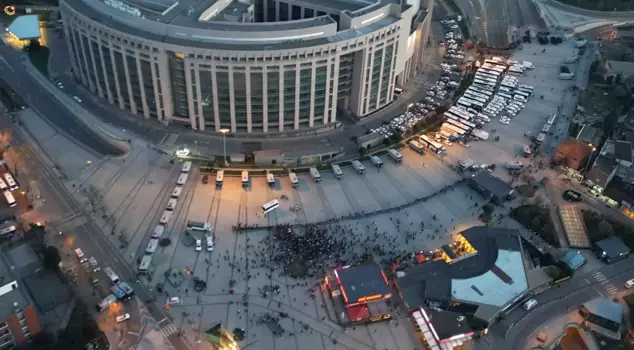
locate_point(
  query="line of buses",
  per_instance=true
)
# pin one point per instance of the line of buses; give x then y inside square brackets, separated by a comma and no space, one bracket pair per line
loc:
[7,187]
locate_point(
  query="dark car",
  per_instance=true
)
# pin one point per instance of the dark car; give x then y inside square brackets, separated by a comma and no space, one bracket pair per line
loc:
[205,179]
[572,196]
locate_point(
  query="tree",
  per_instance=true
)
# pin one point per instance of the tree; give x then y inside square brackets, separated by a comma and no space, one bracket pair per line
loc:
[605,229]
[51,258]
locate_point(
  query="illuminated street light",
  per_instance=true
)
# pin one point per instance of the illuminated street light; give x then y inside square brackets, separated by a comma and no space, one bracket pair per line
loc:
[183,152]
[224,131]
[89,161]
[585,171]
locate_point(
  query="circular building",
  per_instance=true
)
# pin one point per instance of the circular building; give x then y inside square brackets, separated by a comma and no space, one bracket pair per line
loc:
[249,66]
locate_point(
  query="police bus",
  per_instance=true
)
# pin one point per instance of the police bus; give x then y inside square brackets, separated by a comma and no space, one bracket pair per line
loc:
[114,279]
[292,177]
[220,176]
[8,196]
[186,167]
[11,182]
[270,179]
[551,119]
[182,179]
[270,206]
[245,178]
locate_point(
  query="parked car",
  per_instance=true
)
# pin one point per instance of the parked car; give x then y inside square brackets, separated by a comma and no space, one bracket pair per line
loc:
[122,318]
[572,196]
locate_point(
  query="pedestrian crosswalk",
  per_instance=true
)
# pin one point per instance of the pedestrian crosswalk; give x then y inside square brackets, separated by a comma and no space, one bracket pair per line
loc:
[605,283]
[168,329]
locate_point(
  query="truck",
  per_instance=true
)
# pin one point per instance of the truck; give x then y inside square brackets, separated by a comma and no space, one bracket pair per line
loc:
[358,166]
[514,165]
[396,155]
[566,76]
[465,164]
[481,134]
[376,161]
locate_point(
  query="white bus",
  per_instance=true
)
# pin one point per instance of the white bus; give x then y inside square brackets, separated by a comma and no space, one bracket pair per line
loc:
[526,87]
[529,93]
[245,178]
[270,206]
[481,91]
[488,70]
[114,279]
[270,179]
[292,177]
[315,174]
[470,96]
[505,95]
[431,144]
[468,124]
[145,263]
[182,179]
[551,119]
[515,71]
[453,129]
[11,182]
[451,116]
[546,128]
[151,246]
[464,102]
[187,166]
[165,218]
[336,169]
[3,185]
[526,95]
[476,93]
[519,98]
[417,147]
[484,76]
[9,198]
[158,231]
[177,192]
[220,176]
[171,204]
[458,125]
[484,84]
[541,137]
[459,111]
[509,86]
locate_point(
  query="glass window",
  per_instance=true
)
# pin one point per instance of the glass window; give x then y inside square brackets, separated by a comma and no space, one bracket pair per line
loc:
[207,98]
[121,77]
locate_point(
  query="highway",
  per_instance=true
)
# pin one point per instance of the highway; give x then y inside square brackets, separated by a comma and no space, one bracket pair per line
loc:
[13,74]
[490,20]
[87,236]
[515,330]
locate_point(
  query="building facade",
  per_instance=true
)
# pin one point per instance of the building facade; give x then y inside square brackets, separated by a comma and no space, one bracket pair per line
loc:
[264,66]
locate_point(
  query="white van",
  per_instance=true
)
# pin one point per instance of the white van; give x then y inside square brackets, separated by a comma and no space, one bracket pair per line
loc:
[629,284]
[210,243]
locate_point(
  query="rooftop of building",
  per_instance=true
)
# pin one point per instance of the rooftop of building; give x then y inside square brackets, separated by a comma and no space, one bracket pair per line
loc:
[362,281]
[285,42]
[620,191]
[613,247]
[12,292]
[590,134]
[605,308]
[574,148]
[491,183]
[493,276]
[447,324]
[600,172]
[25,27]
[622,67]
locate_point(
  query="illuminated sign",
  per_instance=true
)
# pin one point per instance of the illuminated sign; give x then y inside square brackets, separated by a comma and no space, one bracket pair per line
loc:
[9,10]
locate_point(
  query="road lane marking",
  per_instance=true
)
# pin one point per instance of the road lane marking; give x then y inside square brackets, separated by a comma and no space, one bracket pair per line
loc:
[133,333]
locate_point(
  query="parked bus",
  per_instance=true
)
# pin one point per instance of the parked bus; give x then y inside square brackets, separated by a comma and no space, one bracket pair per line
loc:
[474,97]
[526,87]
[220,176]
[505,95]
[546,128]
[432,145]
[270,179]
[106,302]
[478,94]
[198,226]
[245,178]
[515,71]
[358,166]
[292,177]
[270,206]
[468,124]
[336,169]
[182,179]
[158,231]
[451,116]
[8,196]
[165,218]
[461,112]
[146,261]
[129,292]
[527,151]
[314,173]
[524,94]
[417,147]
[177,192]
[171,204]
[453,129]
[114,279]
[551,119]
[446,134]
[541,137]
[481,91]
[459,125]
[11,182]
[3,185]
[151,246]
[187,166]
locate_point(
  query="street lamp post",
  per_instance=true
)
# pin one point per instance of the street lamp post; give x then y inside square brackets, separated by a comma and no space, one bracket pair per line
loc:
[585,171]
[224,131]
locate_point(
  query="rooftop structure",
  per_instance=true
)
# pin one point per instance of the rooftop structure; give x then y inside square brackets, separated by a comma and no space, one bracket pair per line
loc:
[611,249]
[602,171]
[442,329]
[253,67]
[362,283]
[488,278]
[25,27]
[573,152]
[491,186]
[604,316]
[590,134]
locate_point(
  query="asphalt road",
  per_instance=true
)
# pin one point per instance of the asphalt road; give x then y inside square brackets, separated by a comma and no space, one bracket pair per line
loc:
[490,20]
[520,325]
[617,16]
[87,236]
[12,73]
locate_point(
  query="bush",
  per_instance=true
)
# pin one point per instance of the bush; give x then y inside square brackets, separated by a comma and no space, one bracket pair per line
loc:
[537,219]
[600,227]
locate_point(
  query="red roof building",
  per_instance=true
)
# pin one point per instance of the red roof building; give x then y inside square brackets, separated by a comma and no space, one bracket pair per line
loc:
[573,153]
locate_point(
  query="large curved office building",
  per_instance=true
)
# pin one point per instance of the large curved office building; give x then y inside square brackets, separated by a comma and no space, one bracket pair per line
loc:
[250,66]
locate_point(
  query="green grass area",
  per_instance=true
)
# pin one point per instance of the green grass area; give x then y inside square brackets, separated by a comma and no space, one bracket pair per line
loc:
[602,5]
[39,58]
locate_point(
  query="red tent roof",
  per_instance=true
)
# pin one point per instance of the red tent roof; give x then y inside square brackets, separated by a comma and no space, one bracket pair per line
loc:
[420,258]
[358,312]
